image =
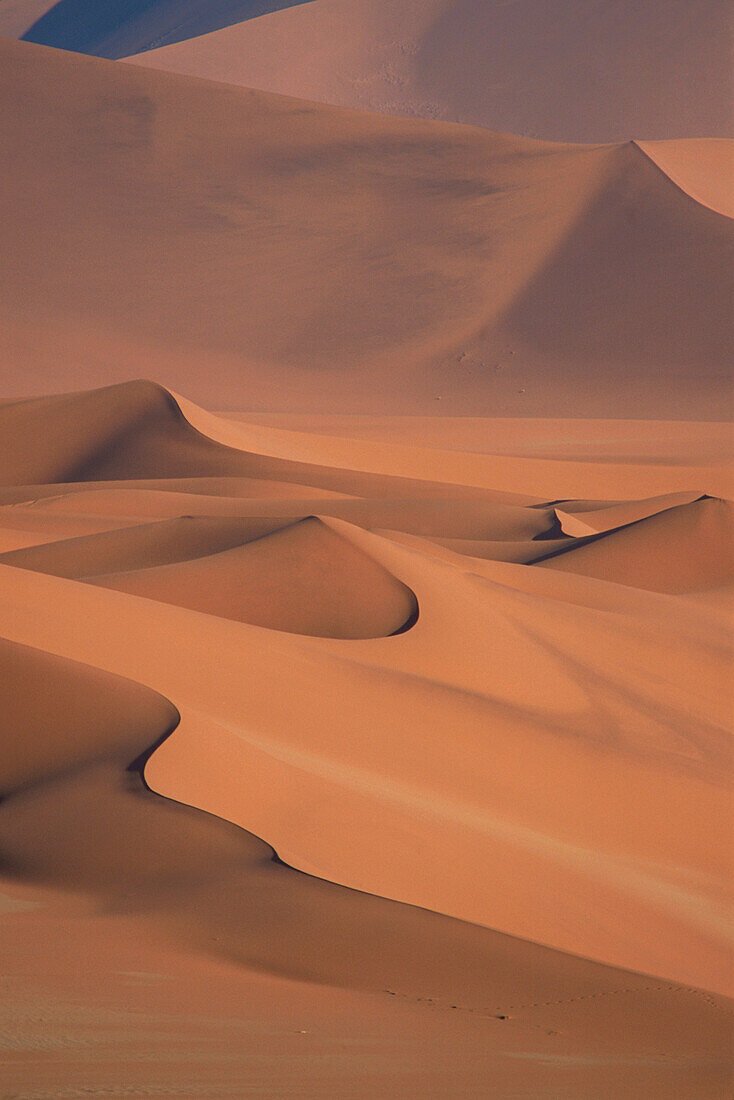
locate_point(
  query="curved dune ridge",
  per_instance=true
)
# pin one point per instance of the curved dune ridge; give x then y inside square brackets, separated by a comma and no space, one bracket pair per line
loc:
[228,240]
[258,655]
[702,534]
[303,579]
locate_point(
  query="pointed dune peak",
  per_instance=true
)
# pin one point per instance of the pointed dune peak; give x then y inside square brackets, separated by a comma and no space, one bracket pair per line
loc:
[140,546]
[303,579]
[581,521]
[84,433]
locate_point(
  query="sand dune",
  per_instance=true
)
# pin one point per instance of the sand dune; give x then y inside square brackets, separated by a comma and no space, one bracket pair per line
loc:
[304,579]
[515,278]
[682,549]
[384,769]
[140,546]
[567,71]
[186,876]
[573,72]
[93,716]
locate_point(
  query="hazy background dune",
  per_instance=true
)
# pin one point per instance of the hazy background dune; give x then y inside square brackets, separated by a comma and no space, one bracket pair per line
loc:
[601,70]
[303,257]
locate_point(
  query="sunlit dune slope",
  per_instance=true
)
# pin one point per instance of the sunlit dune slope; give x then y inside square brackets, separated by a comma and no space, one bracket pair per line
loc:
[228,637]
[702,168]
[306,257]
[373,739]
[535,676]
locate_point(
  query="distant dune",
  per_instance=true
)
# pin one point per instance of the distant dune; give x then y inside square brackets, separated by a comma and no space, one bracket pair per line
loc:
[306,258]
[566,71]
[573,70]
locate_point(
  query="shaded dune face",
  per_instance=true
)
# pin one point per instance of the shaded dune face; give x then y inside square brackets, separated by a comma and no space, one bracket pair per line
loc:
[124,431]
[58,716]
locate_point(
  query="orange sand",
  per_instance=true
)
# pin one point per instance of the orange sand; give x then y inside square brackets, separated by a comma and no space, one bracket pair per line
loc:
[390,712]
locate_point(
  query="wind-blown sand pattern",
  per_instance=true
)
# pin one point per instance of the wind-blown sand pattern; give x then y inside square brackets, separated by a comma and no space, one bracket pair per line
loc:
[375,741]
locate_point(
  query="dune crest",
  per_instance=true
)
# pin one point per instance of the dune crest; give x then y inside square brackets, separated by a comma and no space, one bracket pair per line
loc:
[384,756]
[303,579]
[480,647]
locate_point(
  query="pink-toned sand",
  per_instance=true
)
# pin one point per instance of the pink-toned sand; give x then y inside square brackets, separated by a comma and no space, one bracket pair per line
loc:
[467,757]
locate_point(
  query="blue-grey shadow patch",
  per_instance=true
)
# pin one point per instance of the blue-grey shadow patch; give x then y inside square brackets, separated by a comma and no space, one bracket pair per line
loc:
[119,28]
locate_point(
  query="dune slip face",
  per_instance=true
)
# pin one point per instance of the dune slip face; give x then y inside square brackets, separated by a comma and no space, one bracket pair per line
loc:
[366,550]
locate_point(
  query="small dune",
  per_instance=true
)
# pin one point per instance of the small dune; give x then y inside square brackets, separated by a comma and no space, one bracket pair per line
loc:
[304,579]
[687,548]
